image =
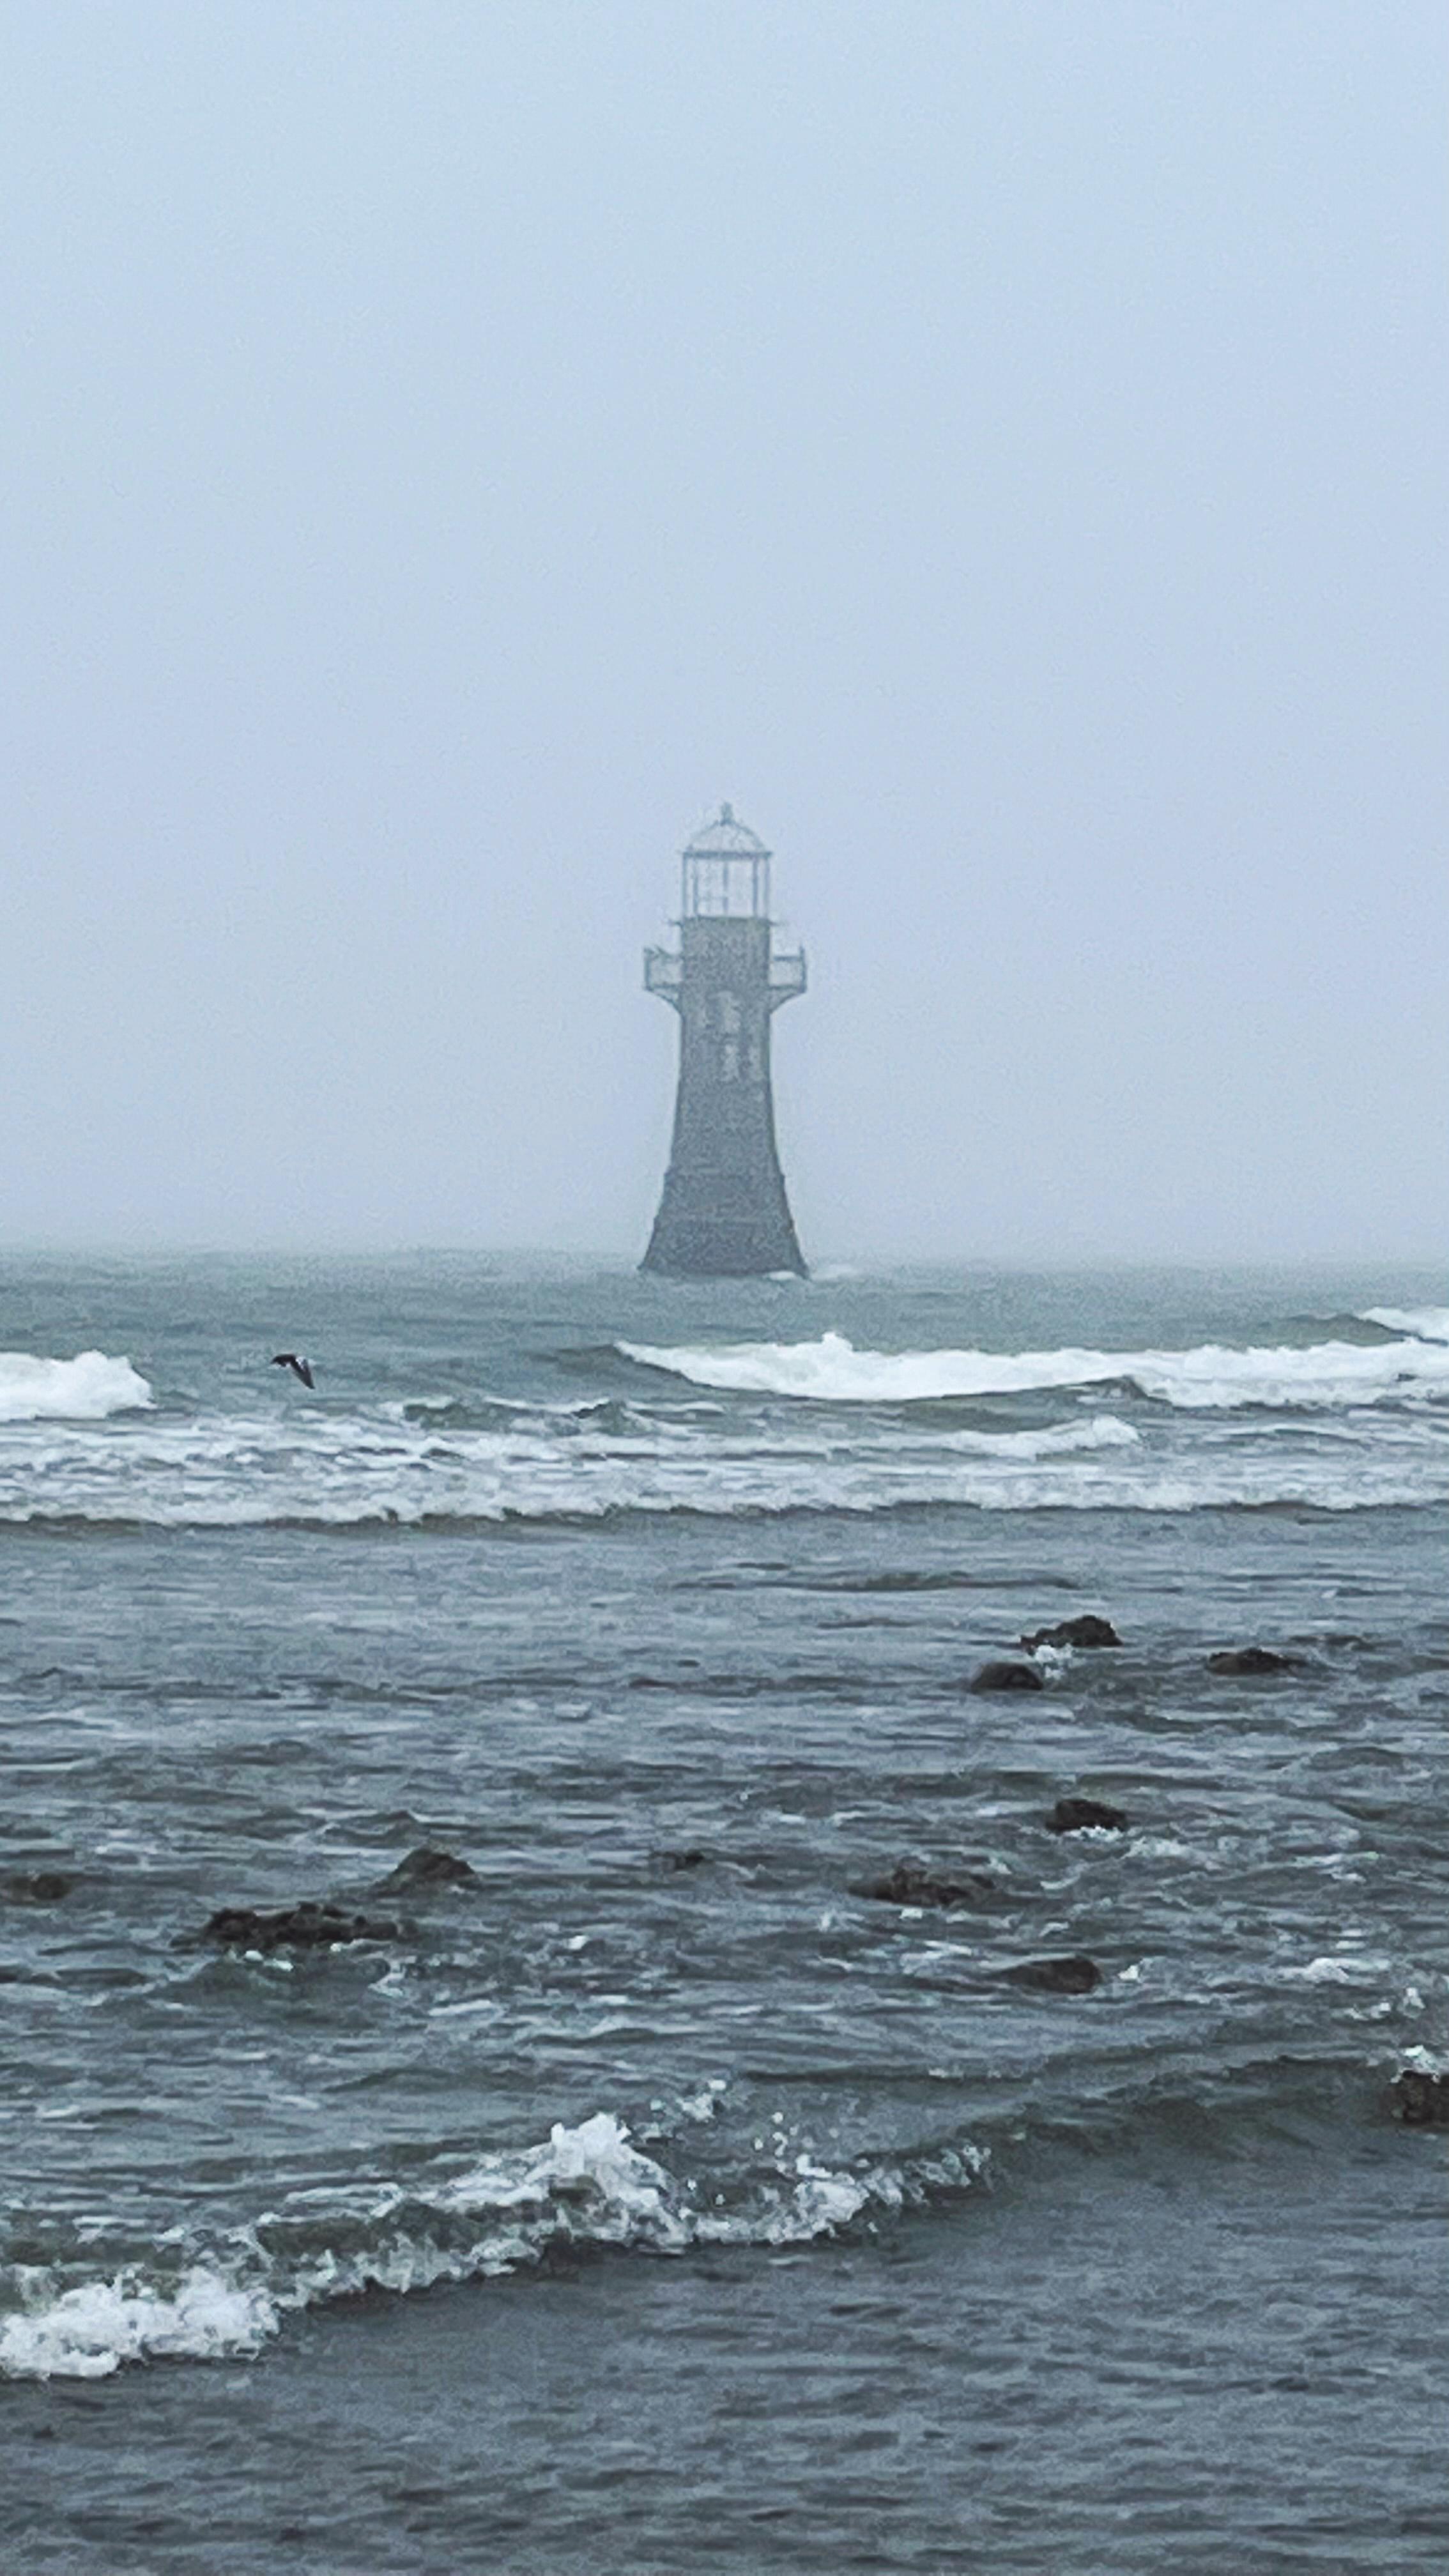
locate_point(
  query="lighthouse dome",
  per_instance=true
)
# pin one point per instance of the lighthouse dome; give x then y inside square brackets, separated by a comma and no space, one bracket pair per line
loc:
[726,838]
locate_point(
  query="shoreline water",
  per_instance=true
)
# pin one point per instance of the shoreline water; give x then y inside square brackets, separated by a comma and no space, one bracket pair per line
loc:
[1058,2376]
[910,2261]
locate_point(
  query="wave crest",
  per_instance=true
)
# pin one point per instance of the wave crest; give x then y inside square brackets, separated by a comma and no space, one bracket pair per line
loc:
[85,1389]
[1211,1378]
[89,2331]
[1425,1323]
[584,2186]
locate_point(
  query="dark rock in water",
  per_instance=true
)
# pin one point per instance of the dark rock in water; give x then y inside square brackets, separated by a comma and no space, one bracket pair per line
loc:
[1251,1659]
[37,1887]
[1005,1676]
[1074,1976]
[909,1884]
[673,1860]
[1420,2100]
[428,1867]
[1086,1816]
[1088,1630]
[294,1927]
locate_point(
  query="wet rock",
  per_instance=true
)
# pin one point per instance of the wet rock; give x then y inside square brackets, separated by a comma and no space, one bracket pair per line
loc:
[429,1867]
[36,1887]
[1419,2099]
[1239,1660]
[909,1884]
[1004,1676]
[1071,1976]
[1088,1630]
[1086,1816]
[293,1927]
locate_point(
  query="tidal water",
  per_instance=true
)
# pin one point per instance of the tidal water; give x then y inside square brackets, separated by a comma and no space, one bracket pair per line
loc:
[651,2197]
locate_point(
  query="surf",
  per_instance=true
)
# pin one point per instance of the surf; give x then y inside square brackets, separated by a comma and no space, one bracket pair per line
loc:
[1213,1377]
[85,1389]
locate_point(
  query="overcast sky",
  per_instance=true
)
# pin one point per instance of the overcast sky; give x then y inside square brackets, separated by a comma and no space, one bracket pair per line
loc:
[1000,446]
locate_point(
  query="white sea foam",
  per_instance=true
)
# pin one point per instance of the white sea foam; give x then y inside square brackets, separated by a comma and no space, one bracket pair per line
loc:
[1054,1440]
[344,1471]
[1426,1323]
[1211,1378]
[84,1389]
[87,2332]
[629,2197]
[1341,1446]
[585,2185]
[1053,1662]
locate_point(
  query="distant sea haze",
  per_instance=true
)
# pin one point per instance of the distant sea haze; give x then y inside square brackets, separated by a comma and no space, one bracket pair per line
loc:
[562,1816]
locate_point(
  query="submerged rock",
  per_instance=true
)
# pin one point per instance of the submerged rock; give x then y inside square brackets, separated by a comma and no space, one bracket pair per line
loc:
[37,1887]
[909,1884]
[676,1860]
[1004,1676]
[1071,1976]
[293,1927]
[1086,1816]
[1419,2099]
[429,1867]
[1251,1659]
[1088,1630]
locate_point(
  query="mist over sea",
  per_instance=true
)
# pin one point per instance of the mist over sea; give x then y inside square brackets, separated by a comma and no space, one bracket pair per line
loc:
[651,2197]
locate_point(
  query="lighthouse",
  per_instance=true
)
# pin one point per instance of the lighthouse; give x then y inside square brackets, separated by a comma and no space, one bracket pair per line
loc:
[723,1213]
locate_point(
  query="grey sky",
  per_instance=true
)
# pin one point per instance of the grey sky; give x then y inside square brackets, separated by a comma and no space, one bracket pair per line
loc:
[999,446]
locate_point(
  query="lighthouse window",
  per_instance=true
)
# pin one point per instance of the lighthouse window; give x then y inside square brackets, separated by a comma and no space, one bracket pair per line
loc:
[727,1013]
[730,1060]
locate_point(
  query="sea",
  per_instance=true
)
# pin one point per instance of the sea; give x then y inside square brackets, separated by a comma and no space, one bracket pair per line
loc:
[692,2164]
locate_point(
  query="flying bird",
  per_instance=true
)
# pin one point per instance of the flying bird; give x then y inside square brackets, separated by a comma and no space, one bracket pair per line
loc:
[294,1361]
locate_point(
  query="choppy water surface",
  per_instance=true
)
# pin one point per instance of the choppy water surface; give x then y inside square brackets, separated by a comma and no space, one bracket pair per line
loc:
[761,2223]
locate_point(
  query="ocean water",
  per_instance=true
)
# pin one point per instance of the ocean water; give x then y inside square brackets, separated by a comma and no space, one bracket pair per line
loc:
[653,2197]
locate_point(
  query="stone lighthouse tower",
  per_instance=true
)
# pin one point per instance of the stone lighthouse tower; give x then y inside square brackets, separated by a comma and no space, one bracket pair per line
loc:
[724,1213]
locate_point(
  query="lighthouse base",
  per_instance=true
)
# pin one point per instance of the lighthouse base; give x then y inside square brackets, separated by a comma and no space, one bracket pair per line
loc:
[721,1227]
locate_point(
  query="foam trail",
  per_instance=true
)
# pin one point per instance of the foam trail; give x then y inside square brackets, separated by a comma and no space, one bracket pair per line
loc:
[84,1389]
[1212,1377]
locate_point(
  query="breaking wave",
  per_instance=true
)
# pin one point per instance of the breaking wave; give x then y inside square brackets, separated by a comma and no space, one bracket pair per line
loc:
[1425,1323]
[1054,1440]
[1334,1425]
[381,1470]
[1212,1378]
[84,1389]
[584,2187]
